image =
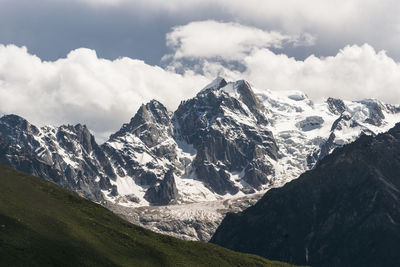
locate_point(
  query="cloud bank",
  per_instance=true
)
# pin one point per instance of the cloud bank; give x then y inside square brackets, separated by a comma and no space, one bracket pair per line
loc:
[106,93]
[84,88]
[354,73]
[136,28]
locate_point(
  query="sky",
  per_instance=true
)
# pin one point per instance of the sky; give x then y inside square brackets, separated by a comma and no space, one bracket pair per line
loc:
[96,61]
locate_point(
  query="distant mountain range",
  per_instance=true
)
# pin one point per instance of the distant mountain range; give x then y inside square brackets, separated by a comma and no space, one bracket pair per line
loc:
[345,212]
[228,141]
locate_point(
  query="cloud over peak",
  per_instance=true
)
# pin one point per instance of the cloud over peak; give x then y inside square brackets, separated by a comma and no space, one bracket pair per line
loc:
[355,72]
[229,41]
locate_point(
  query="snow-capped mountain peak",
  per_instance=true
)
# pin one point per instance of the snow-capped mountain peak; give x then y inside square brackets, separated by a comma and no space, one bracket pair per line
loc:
[216,84]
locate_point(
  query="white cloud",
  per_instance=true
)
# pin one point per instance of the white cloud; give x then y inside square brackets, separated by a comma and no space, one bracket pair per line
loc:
[356,72]
[304,39]
[231,41]
[84,88]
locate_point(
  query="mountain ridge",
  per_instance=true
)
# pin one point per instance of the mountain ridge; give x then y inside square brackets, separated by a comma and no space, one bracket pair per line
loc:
[345,212]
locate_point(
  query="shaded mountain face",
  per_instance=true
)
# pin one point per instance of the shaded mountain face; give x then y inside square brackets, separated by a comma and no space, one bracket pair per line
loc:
[345,212]
[230,140]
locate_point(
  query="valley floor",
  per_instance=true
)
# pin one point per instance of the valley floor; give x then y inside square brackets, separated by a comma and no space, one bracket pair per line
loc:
[192,221]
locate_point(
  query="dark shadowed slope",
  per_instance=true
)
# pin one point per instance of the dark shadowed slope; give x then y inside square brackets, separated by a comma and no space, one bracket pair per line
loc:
[44,225]
[346,212]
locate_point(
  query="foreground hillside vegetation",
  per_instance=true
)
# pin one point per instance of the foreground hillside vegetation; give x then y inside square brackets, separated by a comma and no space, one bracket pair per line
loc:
[42,224]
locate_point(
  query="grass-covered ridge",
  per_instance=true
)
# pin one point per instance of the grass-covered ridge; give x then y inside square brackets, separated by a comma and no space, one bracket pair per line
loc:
[42,224]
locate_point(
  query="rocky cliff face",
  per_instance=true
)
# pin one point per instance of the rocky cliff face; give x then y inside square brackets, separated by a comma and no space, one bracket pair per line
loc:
[165,192]
[142,152]
[228,127]
[345,212]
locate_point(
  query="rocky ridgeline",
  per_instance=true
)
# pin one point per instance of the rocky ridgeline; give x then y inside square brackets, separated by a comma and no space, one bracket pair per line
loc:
[66,155]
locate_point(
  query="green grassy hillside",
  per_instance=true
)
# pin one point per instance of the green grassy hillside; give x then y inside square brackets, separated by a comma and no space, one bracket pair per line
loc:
[42,224]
